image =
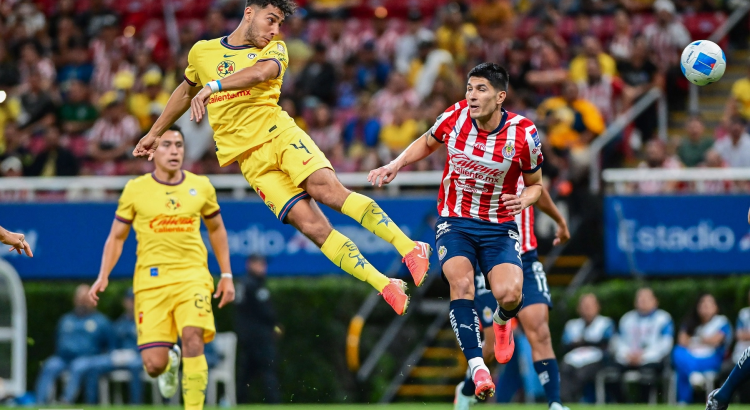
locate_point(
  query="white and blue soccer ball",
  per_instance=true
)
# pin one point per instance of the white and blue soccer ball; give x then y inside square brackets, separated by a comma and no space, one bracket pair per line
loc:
[703,62]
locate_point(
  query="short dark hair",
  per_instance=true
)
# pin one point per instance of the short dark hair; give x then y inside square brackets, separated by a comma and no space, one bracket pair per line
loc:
[178,129]
[286,6]
[494,73]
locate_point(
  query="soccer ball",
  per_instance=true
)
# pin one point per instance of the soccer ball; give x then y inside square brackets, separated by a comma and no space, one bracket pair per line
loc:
[703,62]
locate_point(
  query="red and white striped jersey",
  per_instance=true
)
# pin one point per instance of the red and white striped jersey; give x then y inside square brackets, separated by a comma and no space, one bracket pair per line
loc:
[525,221]
[482,165]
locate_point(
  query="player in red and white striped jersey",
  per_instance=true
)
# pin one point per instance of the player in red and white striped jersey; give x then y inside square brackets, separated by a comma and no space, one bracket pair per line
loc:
[488,148]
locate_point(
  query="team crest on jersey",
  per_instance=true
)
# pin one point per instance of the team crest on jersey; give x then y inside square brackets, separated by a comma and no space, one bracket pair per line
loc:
[252,56]
[487,313]
[173,204]
[225,68]
[442,252]
[509,150]
[271,206]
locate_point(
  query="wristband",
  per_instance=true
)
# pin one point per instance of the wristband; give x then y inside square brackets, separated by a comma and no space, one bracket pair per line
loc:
[214,85]
[226,275]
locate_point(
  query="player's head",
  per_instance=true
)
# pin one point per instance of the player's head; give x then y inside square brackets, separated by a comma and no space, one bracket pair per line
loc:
[706,308]
[645,301]
[263,18]
[81,299]
[588,307]
[486,89]
[171,150]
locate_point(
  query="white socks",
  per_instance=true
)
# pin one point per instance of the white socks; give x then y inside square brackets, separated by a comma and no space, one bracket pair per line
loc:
[476,364]
[497,319]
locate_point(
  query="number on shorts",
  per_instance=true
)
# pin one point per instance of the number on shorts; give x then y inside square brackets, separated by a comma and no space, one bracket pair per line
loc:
[540,276]
[518,250]
[203,302]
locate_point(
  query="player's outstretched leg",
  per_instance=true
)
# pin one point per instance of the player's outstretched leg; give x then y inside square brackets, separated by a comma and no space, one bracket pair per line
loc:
[309,219]
[465,323]
[506,282]
[719,399]
[324,187]
[194,369]
[534,319]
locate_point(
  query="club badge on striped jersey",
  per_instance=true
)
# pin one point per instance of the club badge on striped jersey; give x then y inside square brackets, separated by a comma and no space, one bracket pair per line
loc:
[509,150]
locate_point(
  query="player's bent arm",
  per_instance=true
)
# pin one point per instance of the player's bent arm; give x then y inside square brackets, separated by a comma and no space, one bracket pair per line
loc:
[113,247]
[533,190]
[249,77]
[418,150]
[217,235]
[178,103]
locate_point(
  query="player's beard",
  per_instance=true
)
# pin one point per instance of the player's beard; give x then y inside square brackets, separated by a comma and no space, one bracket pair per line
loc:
[251,34]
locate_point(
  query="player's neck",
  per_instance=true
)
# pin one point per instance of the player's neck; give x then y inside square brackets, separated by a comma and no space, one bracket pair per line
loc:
[238,39]
[168,177]
[491,121]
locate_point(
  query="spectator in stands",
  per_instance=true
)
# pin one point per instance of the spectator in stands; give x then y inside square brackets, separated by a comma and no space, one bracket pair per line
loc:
[372,72]
[36,103]
[77,114]
[581,30]
[9,74]
[386,37]
[10,110]
[638,6]
[604,91]
[646,336]
[115,72]
[125,356]
[490,12]
[140,104]
[98,16]
[518,65]
[585,343]
[591,49]
[64,9]
[399,133]
[622,40]
[80,334]
[216,26]
[323,129]
[317,78]
[739,100]
[692,150]
[549,33]
[430,64]
[35,68]
[657,158]
[667,36]
[735,147]
[113,135]
[364,128]
[453,34]
[16,145]
[11,167]
[67,36]
[408,47]
[54,159]
[397,93]
[547,72]
[257,328]
[26,18]
[571,122]
[640,75]
[339,43]
[78,66]
[703,339]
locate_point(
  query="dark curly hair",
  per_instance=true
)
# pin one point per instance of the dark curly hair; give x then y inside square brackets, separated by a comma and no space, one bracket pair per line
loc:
[286,6]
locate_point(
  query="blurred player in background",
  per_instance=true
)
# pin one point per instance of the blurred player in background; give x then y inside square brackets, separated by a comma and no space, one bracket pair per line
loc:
[239,78]
[719,399]
[171,282]
[534,315]
[489,149]
[17,241]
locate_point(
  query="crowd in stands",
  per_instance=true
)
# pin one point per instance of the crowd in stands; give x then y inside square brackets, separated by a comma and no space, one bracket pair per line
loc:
[647,348]
[83,80]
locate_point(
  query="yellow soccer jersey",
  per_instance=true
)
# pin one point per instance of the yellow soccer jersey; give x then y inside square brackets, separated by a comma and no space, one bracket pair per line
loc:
[241,119]
[167,219]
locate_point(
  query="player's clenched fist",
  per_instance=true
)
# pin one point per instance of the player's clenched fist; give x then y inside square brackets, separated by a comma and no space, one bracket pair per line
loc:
[146,146]
[382,175]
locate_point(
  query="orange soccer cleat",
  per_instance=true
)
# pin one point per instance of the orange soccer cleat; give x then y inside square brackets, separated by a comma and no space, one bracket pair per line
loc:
[418,262]
[485,386]
[395,295]
[504,343]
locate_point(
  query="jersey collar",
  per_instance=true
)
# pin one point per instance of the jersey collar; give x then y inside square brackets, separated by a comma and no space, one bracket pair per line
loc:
[226,44]
[503,119]
[182,178]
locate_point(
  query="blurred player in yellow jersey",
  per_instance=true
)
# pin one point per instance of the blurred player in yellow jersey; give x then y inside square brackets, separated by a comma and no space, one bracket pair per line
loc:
[172,283]
[239,78]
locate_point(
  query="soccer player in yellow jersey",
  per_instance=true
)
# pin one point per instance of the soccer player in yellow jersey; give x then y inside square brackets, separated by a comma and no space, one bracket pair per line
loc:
[172,283]
[239,78]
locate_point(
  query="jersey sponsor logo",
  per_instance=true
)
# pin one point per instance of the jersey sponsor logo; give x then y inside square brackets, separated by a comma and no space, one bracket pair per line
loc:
[308,160]
[224,96]
[535,137]
[229,55]
[173,204]
[535,151]
[480,146]
[172,223]
[442,252]
[271,206]
[460,185]
[154,271]
[472,169]
[443,228]
[252,56]
[225,68]
[509,150]
[170,193]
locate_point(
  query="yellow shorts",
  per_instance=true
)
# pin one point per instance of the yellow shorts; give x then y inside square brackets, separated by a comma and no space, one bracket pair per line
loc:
[161,313]
[277,168]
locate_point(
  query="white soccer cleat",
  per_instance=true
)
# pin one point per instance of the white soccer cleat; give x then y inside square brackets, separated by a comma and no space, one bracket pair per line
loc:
[558,406]
[169,380]
[461,402]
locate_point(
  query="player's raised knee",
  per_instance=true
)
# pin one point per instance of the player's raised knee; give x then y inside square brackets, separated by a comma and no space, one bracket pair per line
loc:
[155,366]
[508,293]
[462,286]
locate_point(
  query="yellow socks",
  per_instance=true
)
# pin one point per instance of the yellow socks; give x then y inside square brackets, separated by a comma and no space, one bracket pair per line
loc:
[194,382]
[344,253]
[367,212]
